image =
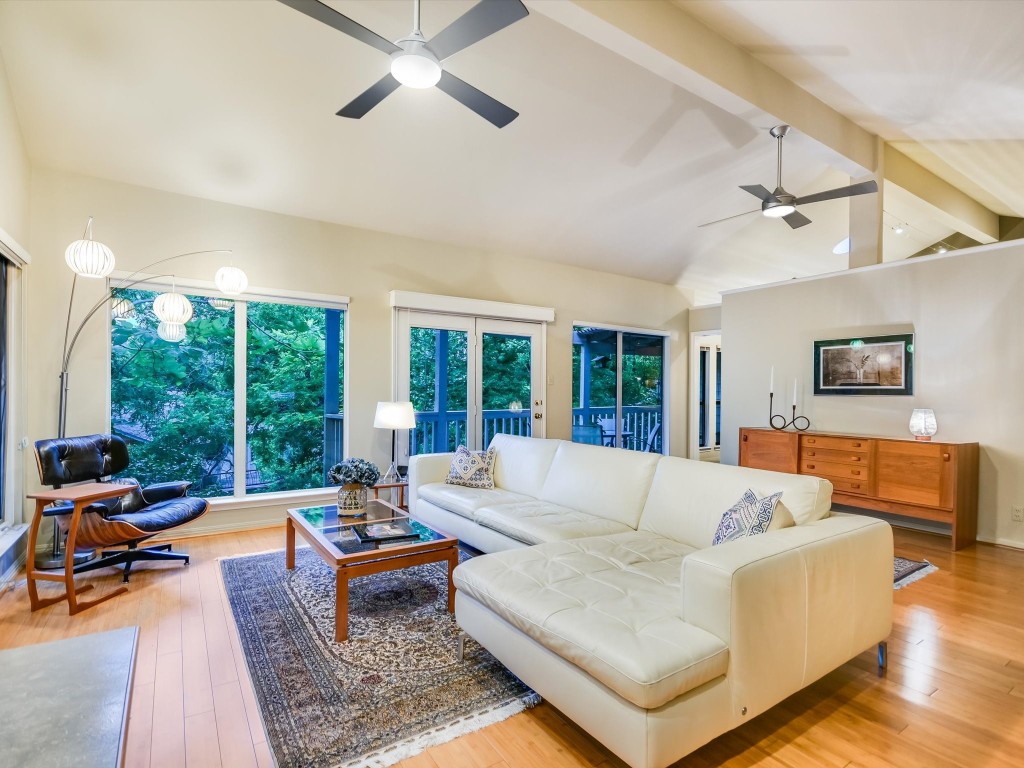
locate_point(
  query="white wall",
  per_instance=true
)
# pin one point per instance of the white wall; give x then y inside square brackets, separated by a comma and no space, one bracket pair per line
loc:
[967,315]
[142,225]
[15,171]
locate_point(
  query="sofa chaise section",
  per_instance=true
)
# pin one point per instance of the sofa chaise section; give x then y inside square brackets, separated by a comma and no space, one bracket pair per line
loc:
[650,638]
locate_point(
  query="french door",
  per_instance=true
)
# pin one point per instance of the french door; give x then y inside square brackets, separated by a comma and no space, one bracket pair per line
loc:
[469,378]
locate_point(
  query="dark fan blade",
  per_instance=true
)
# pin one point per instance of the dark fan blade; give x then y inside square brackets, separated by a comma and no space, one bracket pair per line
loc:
[864,188]
[489,109]
[719,221]
[759,192]
[369,98]
[483,19]
[324,13]
[796,220]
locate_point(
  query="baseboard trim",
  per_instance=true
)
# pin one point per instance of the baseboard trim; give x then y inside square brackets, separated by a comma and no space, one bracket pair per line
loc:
[1001,542]
[10,574]
[213,530]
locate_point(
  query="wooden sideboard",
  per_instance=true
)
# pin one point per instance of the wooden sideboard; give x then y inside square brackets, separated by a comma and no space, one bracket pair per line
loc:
[923,480]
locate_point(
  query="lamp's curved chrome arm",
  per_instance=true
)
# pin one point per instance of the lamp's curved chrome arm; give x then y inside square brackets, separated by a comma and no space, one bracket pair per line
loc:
[127,282]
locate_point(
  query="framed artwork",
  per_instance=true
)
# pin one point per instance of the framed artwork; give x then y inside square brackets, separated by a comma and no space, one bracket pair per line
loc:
[869,365]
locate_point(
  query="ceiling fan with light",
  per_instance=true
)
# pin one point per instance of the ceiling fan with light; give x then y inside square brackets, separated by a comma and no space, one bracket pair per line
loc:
[417,62]
[780,204]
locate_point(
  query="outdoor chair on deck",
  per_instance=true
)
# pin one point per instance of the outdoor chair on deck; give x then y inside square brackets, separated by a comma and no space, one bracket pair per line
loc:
[124,521]
[587,433]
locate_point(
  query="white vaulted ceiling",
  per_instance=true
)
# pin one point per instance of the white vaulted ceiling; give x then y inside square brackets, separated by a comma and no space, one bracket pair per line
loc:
[609,166]
[942,80]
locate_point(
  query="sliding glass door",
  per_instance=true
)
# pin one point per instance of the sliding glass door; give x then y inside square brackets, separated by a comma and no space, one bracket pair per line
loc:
[469,379]
[618,388]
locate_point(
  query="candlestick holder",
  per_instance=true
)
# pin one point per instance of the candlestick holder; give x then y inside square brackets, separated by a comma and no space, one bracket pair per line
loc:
[778,420]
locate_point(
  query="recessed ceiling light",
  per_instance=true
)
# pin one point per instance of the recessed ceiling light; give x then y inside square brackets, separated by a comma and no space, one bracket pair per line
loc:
[843,246]
[942,249]
[898,229]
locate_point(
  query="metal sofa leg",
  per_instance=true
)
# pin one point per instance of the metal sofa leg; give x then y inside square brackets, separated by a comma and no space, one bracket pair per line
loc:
[883,657]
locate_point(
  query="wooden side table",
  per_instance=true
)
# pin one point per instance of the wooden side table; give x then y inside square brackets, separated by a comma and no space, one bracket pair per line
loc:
[403,489]
[81,496]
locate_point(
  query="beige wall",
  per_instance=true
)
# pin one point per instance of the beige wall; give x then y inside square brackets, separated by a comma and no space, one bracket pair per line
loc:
[15,171]
[968,319]
[142,225]
[706,318]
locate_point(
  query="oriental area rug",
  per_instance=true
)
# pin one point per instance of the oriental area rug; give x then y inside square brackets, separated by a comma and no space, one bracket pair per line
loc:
[395,688]
[906,571]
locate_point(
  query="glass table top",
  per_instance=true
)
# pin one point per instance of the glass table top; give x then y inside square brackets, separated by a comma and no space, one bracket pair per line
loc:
[382,527]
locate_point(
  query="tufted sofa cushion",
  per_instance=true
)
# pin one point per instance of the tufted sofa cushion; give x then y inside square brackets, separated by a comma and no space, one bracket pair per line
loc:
[609,605]
[536,522]
[466,501]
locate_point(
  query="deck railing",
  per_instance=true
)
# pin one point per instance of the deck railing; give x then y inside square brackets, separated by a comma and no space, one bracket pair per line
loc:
[440,432]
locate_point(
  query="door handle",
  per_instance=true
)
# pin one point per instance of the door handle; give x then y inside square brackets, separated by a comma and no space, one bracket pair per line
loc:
[538,416]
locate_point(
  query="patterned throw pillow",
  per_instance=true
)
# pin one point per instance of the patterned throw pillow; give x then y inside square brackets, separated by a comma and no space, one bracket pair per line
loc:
[473,470]
[747,517]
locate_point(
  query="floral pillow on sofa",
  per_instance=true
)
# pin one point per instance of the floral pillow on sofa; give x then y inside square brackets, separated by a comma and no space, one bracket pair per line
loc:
[748,517]
[472,469]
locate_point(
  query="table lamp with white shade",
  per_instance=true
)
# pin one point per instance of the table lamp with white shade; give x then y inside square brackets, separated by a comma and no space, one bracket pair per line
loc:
[394,416]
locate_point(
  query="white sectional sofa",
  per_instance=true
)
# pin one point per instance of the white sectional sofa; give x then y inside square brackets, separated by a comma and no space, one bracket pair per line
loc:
[603,592]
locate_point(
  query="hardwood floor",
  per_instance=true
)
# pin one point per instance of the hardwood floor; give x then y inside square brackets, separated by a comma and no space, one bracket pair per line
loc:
[953,696]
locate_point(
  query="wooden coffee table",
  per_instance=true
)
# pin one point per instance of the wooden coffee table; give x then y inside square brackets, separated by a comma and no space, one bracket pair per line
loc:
[333,538]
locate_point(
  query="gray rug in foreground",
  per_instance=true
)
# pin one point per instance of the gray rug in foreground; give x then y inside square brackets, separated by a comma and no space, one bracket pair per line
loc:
[394,689]
[905,571]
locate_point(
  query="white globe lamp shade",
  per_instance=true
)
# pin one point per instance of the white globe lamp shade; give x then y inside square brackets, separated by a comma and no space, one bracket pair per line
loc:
[88,258]
[122,309]
[231,280]
[172,332]
[172,307]
[922,424]
[220,303]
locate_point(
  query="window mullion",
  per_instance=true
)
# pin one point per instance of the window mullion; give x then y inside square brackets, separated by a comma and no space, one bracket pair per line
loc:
[241,448]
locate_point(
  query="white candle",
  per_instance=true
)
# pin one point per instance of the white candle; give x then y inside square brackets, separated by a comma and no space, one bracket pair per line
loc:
[771,382]
[794,393]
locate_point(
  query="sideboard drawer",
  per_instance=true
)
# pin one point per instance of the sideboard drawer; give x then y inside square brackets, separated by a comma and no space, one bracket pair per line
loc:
[834,443]
[862,457]
[845,485]
[831,469]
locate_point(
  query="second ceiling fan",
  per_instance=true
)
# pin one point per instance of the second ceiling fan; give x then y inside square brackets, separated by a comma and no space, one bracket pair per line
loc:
[417,62]
[780,204]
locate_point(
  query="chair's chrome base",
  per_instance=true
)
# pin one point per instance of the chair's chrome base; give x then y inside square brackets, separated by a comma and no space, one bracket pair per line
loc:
[54,559]
[127,557]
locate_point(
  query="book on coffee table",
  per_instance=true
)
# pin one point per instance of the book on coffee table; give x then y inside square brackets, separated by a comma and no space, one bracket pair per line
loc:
[390,531]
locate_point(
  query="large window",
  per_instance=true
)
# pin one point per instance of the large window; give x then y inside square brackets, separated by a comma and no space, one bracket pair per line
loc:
[250,401]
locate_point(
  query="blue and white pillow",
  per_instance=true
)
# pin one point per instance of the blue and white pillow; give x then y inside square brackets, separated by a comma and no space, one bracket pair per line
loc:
[472,469]
[747,517]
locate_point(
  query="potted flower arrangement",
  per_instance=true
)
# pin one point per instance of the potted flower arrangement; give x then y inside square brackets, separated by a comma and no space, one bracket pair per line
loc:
[354,476]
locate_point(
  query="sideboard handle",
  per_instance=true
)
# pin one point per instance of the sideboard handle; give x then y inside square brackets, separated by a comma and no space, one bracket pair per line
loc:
[856,445]
[810,466]
[945,457]
[811,453]
[855,485]
[810,440]
[854,471]
[745,438]
[855,458]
